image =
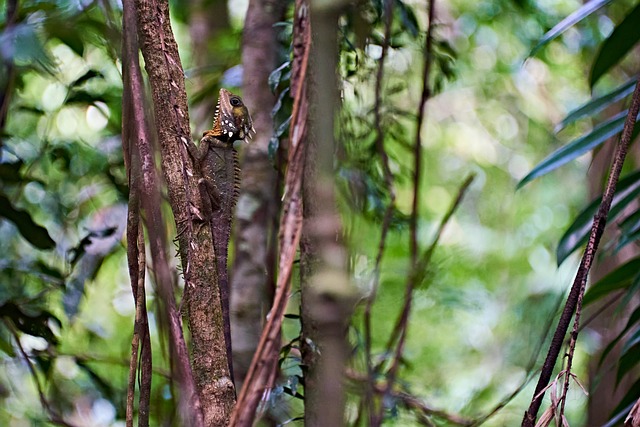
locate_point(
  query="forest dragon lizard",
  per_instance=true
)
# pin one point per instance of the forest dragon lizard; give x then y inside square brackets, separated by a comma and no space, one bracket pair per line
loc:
[220,184]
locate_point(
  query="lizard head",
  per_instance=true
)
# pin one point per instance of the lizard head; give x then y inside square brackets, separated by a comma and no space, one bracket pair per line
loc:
[232,121]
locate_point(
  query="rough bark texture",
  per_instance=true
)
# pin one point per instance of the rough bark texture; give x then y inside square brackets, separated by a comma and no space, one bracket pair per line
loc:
[166,77]
[262,372]
[135,132]
[327,295]
[252,277]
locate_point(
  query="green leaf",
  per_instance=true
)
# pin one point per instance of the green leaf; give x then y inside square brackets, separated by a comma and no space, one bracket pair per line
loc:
[578,232]
[278,105]
[35,234]
[618,279]
[623,408]
[66,32]
[86,77]
[22,45]
[634,339]
[623,38]
[276,76]
[408,19]
[577,147]
[10,172]
[103,385]
[272,148]
[283,127]
[79,96]
[577,16]
[629,358]
[633,319]
[596,105]
[32,323]
[629,231]
[6,347]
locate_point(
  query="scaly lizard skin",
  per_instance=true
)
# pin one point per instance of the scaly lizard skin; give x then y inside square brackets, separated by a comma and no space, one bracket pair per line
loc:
[220,185]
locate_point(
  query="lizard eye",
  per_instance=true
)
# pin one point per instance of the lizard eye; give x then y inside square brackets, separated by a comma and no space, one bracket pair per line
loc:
[235,102]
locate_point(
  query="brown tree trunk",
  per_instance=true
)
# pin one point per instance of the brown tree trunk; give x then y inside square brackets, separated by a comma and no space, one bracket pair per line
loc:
[327,295]
[202,296]
[253,268]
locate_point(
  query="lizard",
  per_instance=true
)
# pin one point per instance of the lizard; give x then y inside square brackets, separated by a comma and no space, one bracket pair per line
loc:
[218,162]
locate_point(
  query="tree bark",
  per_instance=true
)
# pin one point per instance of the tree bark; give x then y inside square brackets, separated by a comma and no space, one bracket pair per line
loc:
[252,279]
[327,294]
[202,296]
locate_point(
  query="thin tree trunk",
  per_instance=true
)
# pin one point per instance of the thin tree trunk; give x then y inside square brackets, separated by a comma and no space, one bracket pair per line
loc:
[252,280]
[136,137]
[202,296]
[327,295]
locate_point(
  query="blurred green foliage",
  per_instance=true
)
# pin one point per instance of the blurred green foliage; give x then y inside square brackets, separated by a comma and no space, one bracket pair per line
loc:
[482,316]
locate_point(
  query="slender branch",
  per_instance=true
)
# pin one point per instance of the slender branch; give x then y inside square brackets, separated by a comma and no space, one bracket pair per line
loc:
[417,148]
[574,300]
[388,214]
[417,153]
[54,417]
[570,353]
[133,124]
[412,402]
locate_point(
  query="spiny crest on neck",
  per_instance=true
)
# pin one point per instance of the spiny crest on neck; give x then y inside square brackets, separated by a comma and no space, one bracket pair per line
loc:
[232,121]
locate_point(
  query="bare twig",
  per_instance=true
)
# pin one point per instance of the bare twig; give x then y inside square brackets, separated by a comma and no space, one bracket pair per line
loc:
[574,300]
[417,148]
[412,402]
[388,214]
[570,353]
[413,239]
[54,417]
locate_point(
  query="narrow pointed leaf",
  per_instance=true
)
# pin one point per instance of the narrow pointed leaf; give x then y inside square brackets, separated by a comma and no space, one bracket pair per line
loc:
[633,340]
[627,238]
[633,319]
[35,234]
[577,16]
[629,359]
[596,105]
[625,405]
[618,279]
[623,38]
[577,234]
[577,147]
